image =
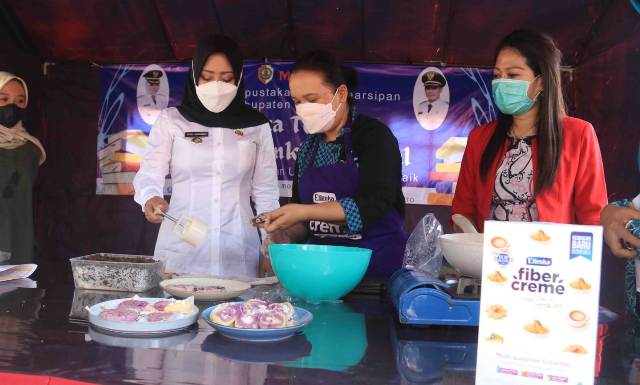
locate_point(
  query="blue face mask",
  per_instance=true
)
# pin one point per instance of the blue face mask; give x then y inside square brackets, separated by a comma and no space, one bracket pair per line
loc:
[511,96]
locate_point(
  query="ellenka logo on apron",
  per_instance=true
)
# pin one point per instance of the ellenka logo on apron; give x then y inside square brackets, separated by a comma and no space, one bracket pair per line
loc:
[322,197]
[324,229]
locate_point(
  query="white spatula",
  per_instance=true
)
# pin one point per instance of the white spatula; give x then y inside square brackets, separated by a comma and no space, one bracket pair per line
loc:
[463,223]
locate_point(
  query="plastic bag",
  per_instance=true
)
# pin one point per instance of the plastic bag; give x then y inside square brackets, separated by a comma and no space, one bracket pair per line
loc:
[423,252]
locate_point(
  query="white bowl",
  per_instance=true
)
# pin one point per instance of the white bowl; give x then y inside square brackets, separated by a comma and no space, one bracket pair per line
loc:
[463,251]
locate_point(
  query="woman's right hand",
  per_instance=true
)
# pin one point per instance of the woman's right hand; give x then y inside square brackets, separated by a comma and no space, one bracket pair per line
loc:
[614,220]
[154,205]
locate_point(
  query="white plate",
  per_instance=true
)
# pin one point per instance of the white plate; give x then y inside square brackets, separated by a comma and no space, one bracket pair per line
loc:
[232,288]
[264,281]
[138,328]
[301,318]
[163,341]
[250,280]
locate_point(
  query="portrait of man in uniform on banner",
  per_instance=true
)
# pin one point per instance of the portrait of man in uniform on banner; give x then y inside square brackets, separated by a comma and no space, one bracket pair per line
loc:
[431,98]
[152,93]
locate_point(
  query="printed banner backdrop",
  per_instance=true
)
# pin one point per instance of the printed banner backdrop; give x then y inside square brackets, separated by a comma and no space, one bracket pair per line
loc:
[431,123]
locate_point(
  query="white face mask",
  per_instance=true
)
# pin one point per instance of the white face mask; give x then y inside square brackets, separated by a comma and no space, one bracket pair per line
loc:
[216,96]
[317,117]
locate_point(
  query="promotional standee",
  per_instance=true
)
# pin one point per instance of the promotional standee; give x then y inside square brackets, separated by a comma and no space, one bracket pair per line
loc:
[539,304]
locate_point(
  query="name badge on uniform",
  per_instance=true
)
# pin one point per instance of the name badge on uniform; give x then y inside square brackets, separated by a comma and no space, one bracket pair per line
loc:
[196,135]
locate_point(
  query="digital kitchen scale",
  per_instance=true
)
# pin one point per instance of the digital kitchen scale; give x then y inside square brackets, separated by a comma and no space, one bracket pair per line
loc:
[423,300]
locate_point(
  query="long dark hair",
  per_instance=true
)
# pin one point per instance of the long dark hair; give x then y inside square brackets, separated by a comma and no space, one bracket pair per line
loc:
[332,70]
[544,58]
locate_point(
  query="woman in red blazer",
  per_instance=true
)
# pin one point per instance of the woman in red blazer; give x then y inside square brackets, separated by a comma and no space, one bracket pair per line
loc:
[534,163]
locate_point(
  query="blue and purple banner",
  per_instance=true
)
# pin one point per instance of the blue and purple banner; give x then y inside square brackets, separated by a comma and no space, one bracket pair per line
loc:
[430,110]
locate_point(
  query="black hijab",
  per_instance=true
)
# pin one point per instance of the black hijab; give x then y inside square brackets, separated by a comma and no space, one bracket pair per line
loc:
[238,114]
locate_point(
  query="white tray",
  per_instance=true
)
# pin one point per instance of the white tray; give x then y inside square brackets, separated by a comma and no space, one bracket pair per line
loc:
[233,288]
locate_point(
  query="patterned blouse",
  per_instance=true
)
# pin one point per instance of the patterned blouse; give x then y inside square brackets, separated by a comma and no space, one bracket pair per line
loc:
[513,198]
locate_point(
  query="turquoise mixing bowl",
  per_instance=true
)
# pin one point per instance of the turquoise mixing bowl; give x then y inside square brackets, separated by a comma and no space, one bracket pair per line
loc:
[317,272]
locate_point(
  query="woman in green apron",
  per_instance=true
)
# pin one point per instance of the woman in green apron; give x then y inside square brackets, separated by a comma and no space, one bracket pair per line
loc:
[20,156]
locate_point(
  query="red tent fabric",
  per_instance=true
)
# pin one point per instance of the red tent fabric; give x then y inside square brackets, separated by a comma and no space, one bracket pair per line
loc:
[25,379]
[447,31]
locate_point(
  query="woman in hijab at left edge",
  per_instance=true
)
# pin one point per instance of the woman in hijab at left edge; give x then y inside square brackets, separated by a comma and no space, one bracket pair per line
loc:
[20,156]
[219,152]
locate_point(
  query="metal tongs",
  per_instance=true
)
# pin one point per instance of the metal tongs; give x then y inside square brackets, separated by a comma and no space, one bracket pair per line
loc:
[260,219]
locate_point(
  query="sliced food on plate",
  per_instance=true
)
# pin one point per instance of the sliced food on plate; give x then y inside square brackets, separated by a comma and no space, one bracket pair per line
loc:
[143,315]
[256,320]
[205,289]
[196,288]
[137,310]
[253,314]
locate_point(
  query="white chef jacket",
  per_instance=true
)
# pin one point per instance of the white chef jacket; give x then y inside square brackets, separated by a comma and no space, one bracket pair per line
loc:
[213,181]
[431,119]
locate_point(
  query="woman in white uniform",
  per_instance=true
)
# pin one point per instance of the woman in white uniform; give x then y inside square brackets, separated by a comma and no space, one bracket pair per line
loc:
[219,152]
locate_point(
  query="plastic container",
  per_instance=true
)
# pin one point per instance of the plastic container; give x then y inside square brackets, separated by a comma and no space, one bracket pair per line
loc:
[191,230]
[118,272]
[319,273]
